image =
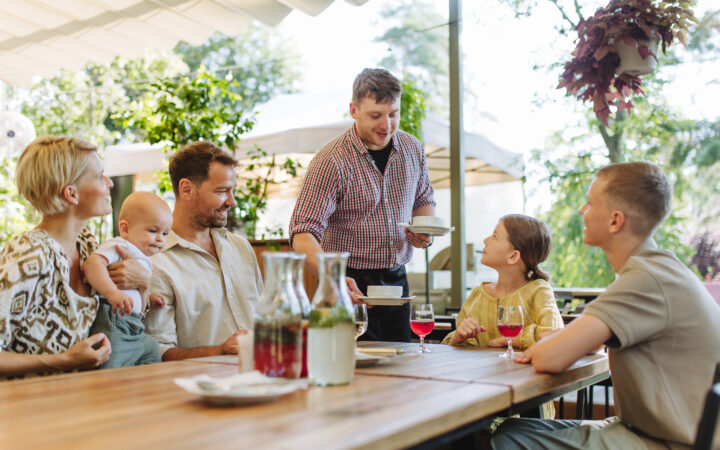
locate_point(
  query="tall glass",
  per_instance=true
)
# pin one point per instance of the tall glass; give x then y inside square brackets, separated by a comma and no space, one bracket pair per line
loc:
[510,324]
[331,331]
[422,322]
[305,307]
[277,345]
[361,319]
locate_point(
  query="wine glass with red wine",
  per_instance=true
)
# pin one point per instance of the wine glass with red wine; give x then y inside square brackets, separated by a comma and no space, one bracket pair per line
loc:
[509,323]
[422,322]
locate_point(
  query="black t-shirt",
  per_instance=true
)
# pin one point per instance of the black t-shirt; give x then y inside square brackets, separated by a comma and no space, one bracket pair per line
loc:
[381,157]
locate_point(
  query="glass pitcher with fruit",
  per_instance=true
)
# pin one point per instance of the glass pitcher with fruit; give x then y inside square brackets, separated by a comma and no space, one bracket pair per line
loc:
[277,345]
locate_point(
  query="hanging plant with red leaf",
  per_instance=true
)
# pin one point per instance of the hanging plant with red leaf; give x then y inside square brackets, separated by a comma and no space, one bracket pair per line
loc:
[591,74]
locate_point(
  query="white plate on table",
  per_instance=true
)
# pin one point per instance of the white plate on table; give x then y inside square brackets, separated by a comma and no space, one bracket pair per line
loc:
[426,229]
[365,360]
[238,391]
[386,301]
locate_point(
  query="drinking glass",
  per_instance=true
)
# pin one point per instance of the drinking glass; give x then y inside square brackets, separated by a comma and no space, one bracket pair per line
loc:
[361,319]
[509,323]
[422,321]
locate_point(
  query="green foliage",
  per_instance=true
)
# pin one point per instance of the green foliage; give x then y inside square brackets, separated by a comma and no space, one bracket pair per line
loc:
[17,214]
[412,108]
[83,103]
[417,42]
[260,71]
[655,133]
[181,110]
[178,111]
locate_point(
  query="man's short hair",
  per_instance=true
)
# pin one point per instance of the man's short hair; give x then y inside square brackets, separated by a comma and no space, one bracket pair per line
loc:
[641,191]
[193,162]
[377,84]
[46,166]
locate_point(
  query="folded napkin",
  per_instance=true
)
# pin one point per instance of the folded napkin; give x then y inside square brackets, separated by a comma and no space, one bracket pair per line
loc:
[240,380]
[383,351]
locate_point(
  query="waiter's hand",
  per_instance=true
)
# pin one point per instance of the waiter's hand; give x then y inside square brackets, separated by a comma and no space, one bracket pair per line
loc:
[418,240]
[354,291]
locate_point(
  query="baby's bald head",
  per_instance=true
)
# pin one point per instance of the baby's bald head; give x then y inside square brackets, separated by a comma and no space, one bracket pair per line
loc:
[145,220]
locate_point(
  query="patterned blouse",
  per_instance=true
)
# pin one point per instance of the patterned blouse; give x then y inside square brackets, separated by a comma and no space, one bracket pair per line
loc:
[540,313]
[39,311]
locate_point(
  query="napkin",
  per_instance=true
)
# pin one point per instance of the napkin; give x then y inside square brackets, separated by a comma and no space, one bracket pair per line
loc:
[383,351]
[246,363]
[240,380]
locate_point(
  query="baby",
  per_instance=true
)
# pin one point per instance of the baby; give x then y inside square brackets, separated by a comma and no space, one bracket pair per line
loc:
[144,224]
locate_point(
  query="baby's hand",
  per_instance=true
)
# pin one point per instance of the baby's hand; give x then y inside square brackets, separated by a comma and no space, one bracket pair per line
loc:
[120,302]
[469,328]
[157,300]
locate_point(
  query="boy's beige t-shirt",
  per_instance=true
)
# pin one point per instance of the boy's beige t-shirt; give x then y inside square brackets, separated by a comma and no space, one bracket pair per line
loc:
[665,346]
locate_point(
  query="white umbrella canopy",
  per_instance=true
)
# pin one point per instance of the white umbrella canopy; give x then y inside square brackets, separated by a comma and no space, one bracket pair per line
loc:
[296,126]
[38,37]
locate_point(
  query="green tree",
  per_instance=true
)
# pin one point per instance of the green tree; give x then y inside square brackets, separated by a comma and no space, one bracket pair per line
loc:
[412,108]
[656,132]
[260,60]
[83,103]
[178,111]
[418,48]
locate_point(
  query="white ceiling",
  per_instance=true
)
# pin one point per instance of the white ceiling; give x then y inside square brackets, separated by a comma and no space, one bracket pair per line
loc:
[37,37]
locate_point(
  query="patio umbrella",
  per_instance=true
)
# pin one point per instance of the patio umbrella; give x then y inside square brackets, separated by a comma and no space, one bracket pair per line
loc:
[296,126]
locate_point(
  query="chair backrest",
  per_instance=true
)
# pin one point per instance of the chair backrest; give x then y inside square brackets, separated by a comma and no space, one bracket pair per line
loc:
[708,420]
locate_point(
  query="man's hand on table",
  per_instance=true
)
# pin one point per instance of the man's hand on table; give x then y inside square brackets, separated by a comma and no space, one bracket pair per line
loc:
[469,328]
[418,240]
[230,347]
[128,273]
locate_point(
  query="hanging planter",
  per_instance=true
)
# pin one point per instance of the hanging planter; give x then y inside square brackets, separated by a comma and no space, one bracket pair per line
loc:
[637,58]
[599,70]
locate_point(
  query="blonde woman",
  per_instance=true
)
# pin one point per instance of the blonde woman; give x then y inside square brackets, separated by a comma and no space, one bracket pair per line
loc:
[46,306]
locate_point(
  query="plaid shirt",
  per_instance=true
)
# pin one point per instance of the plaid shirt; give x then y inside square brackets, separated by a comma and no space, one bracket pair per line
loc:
[348,205]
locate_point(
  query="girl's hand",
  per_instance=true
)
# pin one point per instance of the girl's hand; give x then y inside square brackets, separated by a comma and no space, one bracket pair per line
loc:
[469,328]
[500,342]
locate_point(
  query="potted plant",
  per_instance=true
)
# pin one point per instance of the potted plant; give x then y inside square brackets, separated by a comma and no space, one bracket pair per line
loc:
[592,73]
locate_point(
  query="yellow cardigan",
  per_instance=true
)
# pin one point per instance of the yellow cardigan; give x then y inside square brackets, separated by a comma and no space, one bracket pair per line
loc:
[540,313]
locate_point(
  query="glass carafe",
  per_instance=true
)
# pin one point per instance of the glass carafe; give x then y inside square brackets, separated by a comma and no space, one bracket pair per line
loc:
[301,294]
[331,333]
[278,333]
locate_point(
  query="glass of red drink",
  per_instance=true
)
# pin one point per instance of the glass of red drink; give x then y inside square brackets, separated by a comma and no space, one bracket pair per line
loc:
[422,322]
[509,323]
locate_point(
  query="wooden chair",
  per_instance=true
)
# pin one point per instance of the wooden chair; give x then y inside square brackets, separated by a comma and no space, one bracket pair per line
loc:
[708,420]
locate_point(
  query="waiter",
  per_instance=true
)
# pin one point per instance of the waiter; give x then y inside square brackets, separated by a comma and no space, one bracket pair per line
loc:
[357,191]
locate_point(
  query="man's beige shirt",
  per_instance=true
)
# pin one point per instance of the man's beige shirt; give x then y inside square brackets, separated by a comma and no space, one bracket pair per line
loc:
[207,299]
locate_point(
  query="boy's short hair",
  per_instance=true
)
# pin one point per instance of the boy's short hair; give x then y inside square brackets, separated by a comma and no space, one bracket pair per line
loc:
[377,84]
[193,162]
[46,166]
[641,191]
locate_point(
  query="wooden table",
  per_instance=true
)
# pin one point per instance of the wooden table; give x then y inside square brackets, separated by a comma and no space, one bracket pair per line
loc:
[400,403]
[483,366]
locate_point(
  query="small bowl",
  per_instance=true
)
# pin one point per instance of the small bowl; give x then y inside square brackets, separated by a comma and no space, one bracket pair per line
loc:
[384,291]
[428,221]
